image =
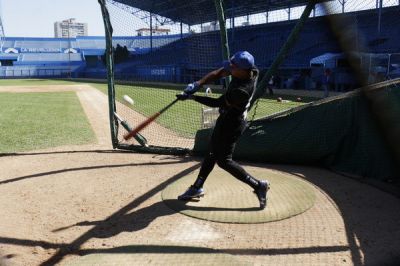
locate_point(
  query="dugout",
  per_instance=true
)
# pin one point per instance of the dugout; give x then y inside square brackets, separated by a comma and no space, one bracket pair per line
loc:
[8,59]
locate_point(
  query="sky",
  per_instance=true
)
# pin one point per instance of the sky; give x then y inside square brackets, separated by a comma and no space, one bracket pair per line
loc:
[35,18]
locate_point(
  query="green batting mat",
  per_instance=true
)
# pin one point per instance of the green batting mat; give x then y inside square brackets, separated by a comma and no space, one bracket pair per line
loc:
[228,200]
[156,255]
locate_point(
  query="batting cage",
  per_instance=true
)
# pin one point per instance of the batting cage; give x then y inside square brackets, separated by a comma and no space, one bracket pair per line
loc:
[327,94]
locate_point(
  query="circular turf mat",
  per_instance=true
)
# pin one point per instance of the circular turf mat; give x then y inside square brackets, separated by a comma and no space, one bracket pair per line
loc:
[228,200]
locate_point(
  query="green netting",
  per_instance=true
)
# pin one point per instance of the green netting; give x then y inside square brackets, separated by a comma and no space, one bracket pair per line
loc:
[156,57]
[301,55]
[338,133]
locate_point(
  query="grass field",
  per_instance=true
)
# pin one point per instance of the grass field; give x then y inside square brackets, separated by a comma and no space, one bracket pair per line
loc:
[33,82]
[185,117]
[43,112]
[32,121]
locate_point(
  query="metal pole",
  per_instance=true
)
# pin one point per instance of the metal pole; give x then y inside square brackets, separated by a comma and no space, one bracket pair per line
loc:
[379,17]
[262,85]
[110,72]
[343,2]
[370,65]
[69,49]
[233,24]
[151,32]
[224,36]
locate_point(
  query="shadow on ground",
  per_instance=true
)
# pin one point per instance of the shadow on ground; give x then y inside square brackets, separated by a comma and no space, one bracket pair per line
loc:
[371,216]
[371,219]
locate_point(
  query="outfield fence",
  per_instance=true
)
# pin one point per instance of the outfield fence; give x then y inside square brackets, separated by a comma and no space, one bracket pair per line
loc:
[35,73]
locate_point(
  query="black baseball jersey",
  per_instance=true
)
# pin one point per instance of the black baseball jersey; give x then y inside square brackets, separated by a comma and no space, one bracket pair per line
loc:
[236,101]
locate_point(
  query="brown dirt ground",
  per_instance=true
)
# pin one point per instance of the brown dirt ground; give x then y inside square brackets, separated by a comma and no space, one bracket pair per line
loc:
[60,203]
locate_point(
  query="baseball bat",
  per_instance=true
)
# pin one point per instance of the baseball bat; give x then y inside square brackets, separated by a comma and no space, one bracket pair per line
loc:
[148,121]
[139,138]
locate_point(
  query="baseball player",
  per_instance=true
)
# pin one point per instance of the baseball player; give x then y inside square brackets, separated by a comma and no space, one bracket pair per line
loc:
[231,123]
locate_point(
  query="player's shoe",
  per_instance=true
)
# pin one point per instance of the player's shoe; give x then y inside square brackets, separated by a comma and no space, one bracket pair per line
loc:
[191,193]
[261,193]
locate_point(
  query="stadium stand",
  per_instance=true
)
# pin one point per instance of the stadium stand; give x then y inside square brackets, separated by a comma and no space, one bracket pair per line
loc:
[50,57]
[264,42]
[169,53]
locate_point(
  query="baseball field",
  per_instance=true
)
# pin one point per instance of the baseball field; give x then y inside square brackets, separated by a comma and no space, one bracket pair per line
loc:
[41,113]
[68,198]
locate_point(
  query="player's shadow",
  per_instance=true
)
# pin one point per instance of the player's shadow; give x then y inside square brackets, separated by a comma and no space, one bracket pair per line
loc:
[125,219]
[182,206]
[130,222]
[139,219]
[87,168]
[33,153]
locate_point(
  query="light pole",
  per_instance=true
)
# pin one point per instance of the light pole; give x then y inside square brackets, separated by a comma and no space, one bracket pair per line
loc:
[2,35]
[69,49]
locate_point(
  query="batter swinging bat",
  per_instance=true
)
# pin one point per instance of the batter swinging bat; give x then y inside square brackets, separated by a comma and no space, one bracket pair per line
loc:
[148,121]
[139,138]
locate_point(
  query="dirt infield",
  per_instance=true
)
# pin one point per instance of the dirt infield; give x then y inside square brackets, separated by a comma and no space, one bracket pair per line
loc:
[63,203]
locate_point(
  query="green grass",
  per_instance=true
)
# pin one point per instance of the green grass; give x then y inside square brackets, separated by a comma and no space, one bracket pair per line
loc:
[183,118]
[33,82]
[31,121]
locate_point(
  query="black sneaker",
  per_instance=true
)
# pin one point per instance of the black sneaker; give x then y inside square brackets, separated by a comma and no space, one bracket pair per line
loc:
[191,193]
[261,193]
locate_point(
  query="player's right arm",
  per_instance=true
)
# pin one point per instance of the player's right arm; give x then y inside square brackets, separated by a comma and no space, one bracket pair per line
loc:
[215,75]
[211,77]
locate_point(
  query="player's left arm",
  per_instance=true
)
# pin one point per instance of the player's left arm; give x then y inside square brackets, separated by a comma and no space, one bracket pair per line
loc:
[208,101]
[214,76]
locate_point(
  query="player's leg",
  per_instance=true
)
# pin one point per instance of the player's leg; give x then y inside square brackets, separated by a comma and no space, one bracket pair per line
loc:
[196,190]
[260,187]
[224,151]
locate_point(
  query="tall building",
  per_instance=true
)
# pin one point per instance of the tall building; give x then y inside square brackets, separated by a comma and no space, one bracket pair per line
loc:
[155,31]
[70,28]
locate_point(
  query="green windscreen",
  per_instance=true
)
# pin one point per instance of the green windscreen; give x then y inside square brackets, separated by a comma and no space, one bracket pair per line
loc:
[339,133]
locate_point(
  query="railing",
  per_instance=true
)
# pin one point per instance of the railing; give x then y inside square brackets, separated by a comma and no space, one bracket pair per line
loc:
[34,73]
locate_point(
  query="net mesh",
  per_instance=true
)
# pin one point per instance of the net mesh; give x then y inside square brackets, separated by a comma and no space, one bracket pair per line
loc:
[165,55]
[299,63]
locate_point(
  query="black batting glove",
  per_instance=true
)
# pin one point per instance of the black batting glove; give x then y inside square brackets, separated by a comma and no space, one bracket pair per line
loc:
[184,96]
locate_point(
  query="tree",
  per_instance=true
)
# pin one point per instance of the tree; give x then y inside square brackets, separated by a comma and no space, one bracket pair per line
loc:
[121,54]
